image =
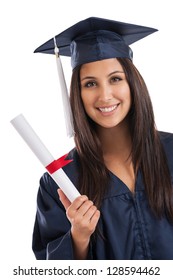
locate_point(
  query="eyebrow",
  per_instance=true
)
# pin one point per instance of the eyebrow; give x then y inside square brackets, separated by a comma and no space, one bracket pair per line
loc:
[92,77]
[115,72]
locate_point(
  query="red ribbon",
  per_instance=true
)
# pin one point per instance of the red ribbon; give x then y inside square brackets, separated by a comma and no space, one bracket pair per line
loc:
[58,163]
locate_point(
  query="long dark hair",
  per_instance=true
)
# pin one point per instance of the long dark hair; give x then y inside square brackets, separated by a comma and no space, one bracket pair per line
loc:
[147,152]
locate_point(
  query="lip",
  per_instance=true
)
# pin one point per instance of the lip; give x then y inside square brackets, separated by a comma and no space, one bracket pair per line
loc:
[108,110]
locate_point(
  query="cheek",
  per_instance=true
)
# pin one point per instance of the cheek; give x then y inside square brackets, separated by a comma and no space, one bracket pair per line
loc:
[83,97]
[85,102]
[87,99]
[126,95]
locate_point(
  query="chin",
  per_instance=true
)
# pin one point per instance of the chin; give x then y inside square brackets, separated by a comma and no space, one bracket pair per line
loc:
[108,126]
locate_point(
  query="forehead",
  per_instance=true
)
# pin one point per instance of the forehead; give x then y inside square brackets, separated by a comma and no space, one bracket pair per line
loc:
[101,67]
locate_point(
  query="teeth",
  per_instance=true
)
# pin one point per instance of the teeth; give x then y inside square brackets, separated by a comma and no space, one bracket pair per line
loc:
[108,109]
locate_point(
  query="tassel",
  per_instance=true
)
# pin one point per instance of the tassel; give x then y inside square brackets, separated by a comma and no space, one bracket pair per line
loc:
[64,93]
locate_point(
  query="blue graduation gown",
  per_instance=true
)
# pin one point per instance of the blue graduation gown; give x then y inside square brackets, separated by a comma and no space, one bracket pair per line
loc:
[130,229]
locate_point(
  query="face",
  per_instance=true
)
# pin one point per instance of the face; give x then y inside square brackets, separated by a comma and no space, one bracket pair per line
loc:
[105,92]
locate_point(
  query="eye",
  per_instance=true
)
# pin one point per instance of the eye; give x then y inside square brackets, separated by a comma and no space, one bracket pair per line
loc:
[115,79]
[90,84]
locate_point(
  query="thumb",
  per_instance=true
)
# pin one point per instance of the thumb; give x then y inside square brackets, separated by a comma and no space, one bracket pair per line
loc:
[65,201]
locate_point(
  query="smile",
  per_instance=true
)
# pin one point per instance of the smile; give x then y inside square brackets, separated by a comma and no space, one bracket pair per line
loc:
[108,109]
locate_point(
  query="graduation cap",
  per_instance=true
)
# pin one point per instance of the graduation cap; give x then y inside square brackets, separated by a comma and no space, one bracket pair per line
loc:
[91,40]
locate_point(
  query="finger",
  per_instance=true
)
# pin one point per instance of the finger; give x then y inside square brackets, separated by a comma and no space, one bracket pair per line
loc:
[91,219]
[65,201]
[76,204]
[94,219]
[84,208]
[90,212]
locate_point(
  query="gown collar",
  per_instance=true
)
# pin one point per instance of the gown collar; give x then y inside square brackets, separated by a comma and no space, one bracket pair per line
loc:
[118,187]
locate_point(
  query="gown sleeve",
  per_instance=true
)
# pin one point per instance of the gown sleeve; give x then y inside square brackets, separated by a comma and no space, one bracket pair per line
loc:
[51,235]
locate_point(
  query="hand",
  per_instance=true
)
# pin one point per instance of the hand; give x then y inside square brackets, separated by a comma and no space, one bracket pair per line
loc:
[83,216]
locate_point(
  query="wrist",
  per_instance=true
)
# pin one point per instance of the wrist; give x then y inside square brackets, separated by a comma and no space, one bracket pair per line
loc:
[79,238]
[80,245]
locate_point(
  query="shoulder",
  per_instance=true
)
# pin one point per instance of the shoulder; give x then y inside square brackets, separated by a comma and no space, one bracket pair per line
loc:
[72,154]
[166,139]
[167,142]
[72,169]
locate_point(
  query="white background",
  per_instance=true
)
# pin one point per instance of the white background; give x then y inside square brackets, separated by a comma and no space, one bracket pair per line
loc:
[29,85]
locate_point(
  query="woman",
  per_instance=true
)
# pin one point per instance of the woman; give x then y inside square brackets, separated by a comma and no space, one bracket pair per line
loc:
[122,166]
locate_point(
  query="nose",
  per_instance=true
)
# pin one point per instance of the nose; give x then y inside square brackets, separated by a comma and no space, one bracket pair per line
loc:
[105,93]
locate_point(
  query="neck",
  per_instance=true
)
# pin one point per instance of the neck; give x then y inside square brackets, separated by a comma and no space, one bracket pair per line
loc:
[116,141]
[116,146]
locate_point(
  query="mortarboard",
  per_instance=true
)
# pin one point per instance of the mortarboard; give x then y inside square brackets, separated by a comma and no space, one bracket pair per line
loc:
[94,39]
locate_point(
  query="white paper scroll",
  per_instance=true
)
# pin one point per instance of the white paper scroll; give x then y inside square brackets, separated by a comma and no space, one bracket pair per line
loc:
[45,157]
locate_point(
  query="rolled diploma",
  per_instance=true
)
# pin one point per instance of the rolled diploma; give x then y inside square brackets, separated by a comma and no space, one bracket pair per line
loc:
[45,157]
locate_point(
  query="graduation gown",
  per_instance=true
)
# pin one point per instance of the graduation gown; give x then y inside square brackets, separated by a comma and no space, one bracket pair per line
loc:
[130,229]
